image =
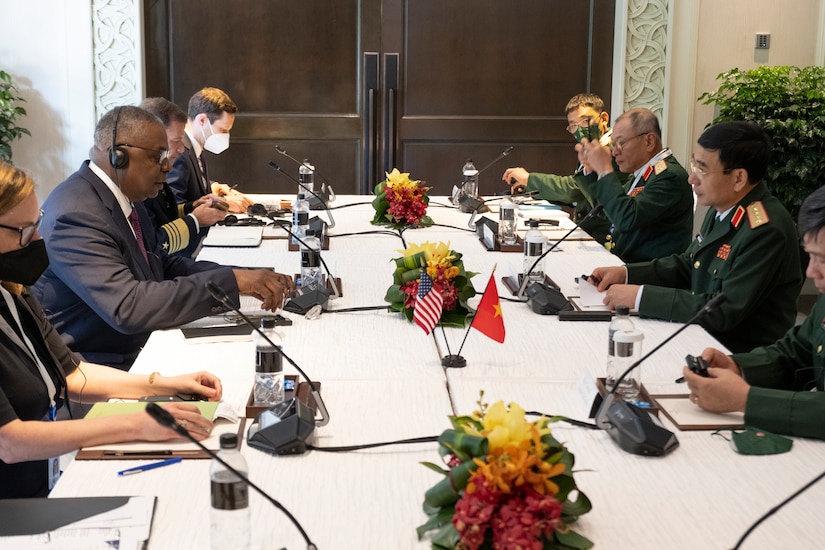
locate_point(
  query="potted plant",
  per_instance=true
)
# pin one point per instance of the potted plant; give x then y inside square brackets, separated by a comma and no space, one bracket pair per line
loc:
[789,103]
[9,112]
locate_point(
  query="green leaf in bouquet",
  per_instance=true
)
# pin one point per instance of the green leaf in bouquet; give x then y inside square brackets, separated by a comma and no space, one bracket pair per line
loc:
[460,422]
[436,468]
[395,296]
[464,446]
[575,508]
[439,517]
[572,540]
[446,538]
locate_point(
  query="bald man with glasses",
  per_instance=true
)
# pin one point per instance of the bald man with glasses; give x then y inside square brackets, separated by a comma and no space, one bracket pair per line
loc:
[648,200]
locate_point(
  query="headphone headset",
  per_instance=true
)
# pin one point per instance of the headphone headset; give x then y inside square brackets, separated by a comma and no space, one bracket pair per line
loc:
[232,219]
[118,156]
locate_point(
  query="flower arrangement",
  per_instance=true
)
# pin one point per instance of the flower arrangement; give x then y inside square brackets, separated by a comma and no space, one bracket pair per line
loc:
[508,485]
[450,279]
[401,202]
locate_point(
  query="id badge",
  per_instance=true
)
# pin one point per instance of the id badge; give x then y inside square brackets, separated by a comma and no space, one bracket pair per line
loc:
[54,471]
[54,463]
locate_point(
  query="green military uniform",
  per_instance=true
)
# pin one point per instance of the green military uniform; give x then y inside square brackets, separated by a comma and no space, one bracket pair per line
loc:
[780,376]
[655,219]
[752,256]
[567,189]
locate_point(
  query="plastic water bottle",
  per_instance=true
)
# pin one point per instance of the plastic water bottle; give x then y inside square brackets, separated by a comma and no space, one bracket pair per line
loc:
[230,524]
[621,322]
[311,275]
[306,175]
[628,349]
[300,218]
[269,366]
[534,243]
[507,216]
[470,185]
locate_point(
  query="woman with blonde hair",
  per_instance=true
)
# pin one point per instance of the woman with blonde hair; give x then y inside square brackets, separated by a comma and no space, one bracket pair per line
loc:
[38,373]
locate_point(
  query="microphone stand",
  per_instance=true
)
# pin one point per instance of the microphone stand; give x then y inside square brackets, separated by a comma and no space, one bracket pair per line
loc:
[335,292]
[632,427]
[331,193]
[165,419]
[220,295]
[331,223]
[469,201]
[520,294]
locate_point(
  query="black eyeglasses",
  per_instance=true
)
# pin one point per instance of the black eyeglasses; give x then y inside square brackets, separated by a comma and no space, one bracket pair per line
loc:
[26,232]
[162,155]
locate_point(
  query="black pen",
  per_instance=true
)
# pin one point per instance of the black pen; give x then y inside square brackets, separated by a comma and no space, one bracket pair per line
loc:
[680,380]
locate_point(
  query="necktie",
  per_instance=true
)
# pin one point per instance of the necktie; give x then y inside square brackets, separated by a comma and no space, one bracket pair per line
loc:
[133,219]
[205,179]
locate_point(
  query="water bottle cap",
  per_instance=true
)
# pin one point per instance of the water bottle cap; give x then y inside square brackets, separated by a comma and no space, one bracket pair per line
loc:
[300,195]
[628,336]
[229,441]
[534,224]
[268,322]
[622,310]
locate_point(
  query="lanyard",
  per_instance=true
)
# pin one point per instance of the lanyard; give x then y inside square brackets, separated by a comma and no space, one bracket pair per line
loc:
[50,387]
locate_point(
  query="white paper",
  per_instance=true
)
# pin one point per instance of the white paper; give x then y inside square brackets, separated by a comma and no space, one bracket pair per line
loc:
[227,235]
[590,297]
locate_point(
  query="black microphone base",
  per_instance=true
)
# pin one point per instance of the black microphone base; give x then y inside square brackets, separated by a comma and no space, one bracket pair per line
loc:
[634,429]
[285,429]
[453,362]
[546,300]
[305,301]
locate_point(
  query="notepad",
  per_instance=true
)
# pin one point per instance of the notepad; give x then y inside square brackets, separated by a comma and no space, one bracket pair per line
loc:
[223,415]
[100,410]
[227,235]
[75,523]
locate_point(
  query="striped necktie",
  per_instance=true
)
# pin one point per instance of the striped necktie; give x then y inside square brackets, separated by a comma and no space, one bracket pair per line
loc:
[133,219]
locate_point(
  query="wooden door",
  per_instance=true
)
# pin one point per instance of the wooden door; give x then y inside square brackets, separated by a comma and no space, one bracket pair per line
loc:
[361,86]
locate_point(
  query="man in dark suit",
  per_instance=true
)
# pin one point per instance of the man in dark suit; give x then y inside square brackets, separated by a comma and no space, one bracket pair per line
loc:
[108,286]
[210,119]
[179,228]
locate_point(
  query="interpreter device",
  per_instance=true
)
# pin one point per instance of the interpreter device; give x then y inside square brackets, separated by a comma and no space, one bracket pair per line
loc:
[697,365]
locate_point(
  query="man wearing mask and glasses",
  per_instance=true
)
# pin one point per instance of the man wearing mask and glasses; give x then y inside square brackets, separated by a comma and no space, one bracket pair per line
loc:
[109,285]
[648,203]
[210,118]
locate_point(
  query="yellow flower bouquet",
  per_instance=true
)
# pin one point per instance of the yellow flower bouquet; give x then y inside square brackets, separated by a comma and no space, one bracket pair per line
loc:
[509,485]
[445,268]
[401,202]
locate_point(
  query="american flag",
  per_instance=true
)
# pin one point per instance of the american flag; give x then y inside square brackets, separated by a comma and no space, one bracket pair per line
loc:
[427,308]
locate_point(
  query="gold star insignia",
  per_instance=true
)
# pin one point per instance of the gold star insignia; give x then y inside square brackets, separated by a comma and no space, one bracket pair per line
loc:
[497,307]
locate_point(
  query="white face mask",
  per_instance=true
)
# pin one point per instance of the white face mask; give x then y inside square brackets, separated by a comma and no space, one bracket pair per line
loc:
[216,143]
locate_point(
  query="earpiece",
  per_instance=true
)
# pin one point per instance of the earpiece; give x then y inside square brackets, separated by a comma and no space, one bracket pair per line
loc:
[118,156]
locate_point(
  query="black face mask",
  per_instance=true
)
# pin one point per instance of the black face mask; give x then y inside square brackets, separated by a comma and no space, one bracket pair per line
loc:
[26,265]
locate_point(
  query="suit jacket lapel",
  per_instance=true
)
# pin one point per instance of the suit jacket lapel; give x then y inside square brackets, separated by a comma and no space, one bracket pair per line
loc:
[121,224]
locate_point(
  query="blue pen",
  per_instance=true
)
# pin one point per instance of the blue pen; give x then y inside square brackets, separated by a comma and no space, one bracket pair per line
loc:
[152,466]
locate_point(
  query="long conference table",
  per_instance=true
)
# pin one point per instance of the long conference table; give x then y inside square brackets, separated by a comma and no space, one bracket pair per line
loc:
[382,380]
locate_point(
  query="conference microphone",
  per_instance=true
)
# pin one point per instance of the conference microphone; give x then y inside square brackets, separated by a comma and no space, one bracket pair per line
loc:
[328,193]
[495,160]
[474,205]
[636,430]
[165,419]
[336,292]
[220,295]
[543,295]
[323,203]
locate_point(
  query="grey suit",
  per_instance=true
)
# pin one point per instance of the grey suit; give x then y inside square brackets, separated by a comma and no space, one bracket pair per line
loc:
[99,292]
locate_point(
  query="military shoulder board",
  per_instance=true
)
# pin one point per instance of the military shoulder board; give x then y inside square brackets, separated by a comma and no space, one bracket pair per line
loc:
[757,215]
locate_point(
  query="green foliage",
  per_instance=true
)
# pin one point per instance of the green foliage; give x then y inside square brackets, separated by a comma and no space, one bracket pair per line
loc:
[789,103]
[9,112]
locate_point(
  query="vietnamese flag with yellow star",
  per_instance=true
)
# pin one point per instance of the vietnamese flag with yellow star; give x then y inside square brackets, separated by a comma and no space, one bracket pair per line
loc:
[488,319]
